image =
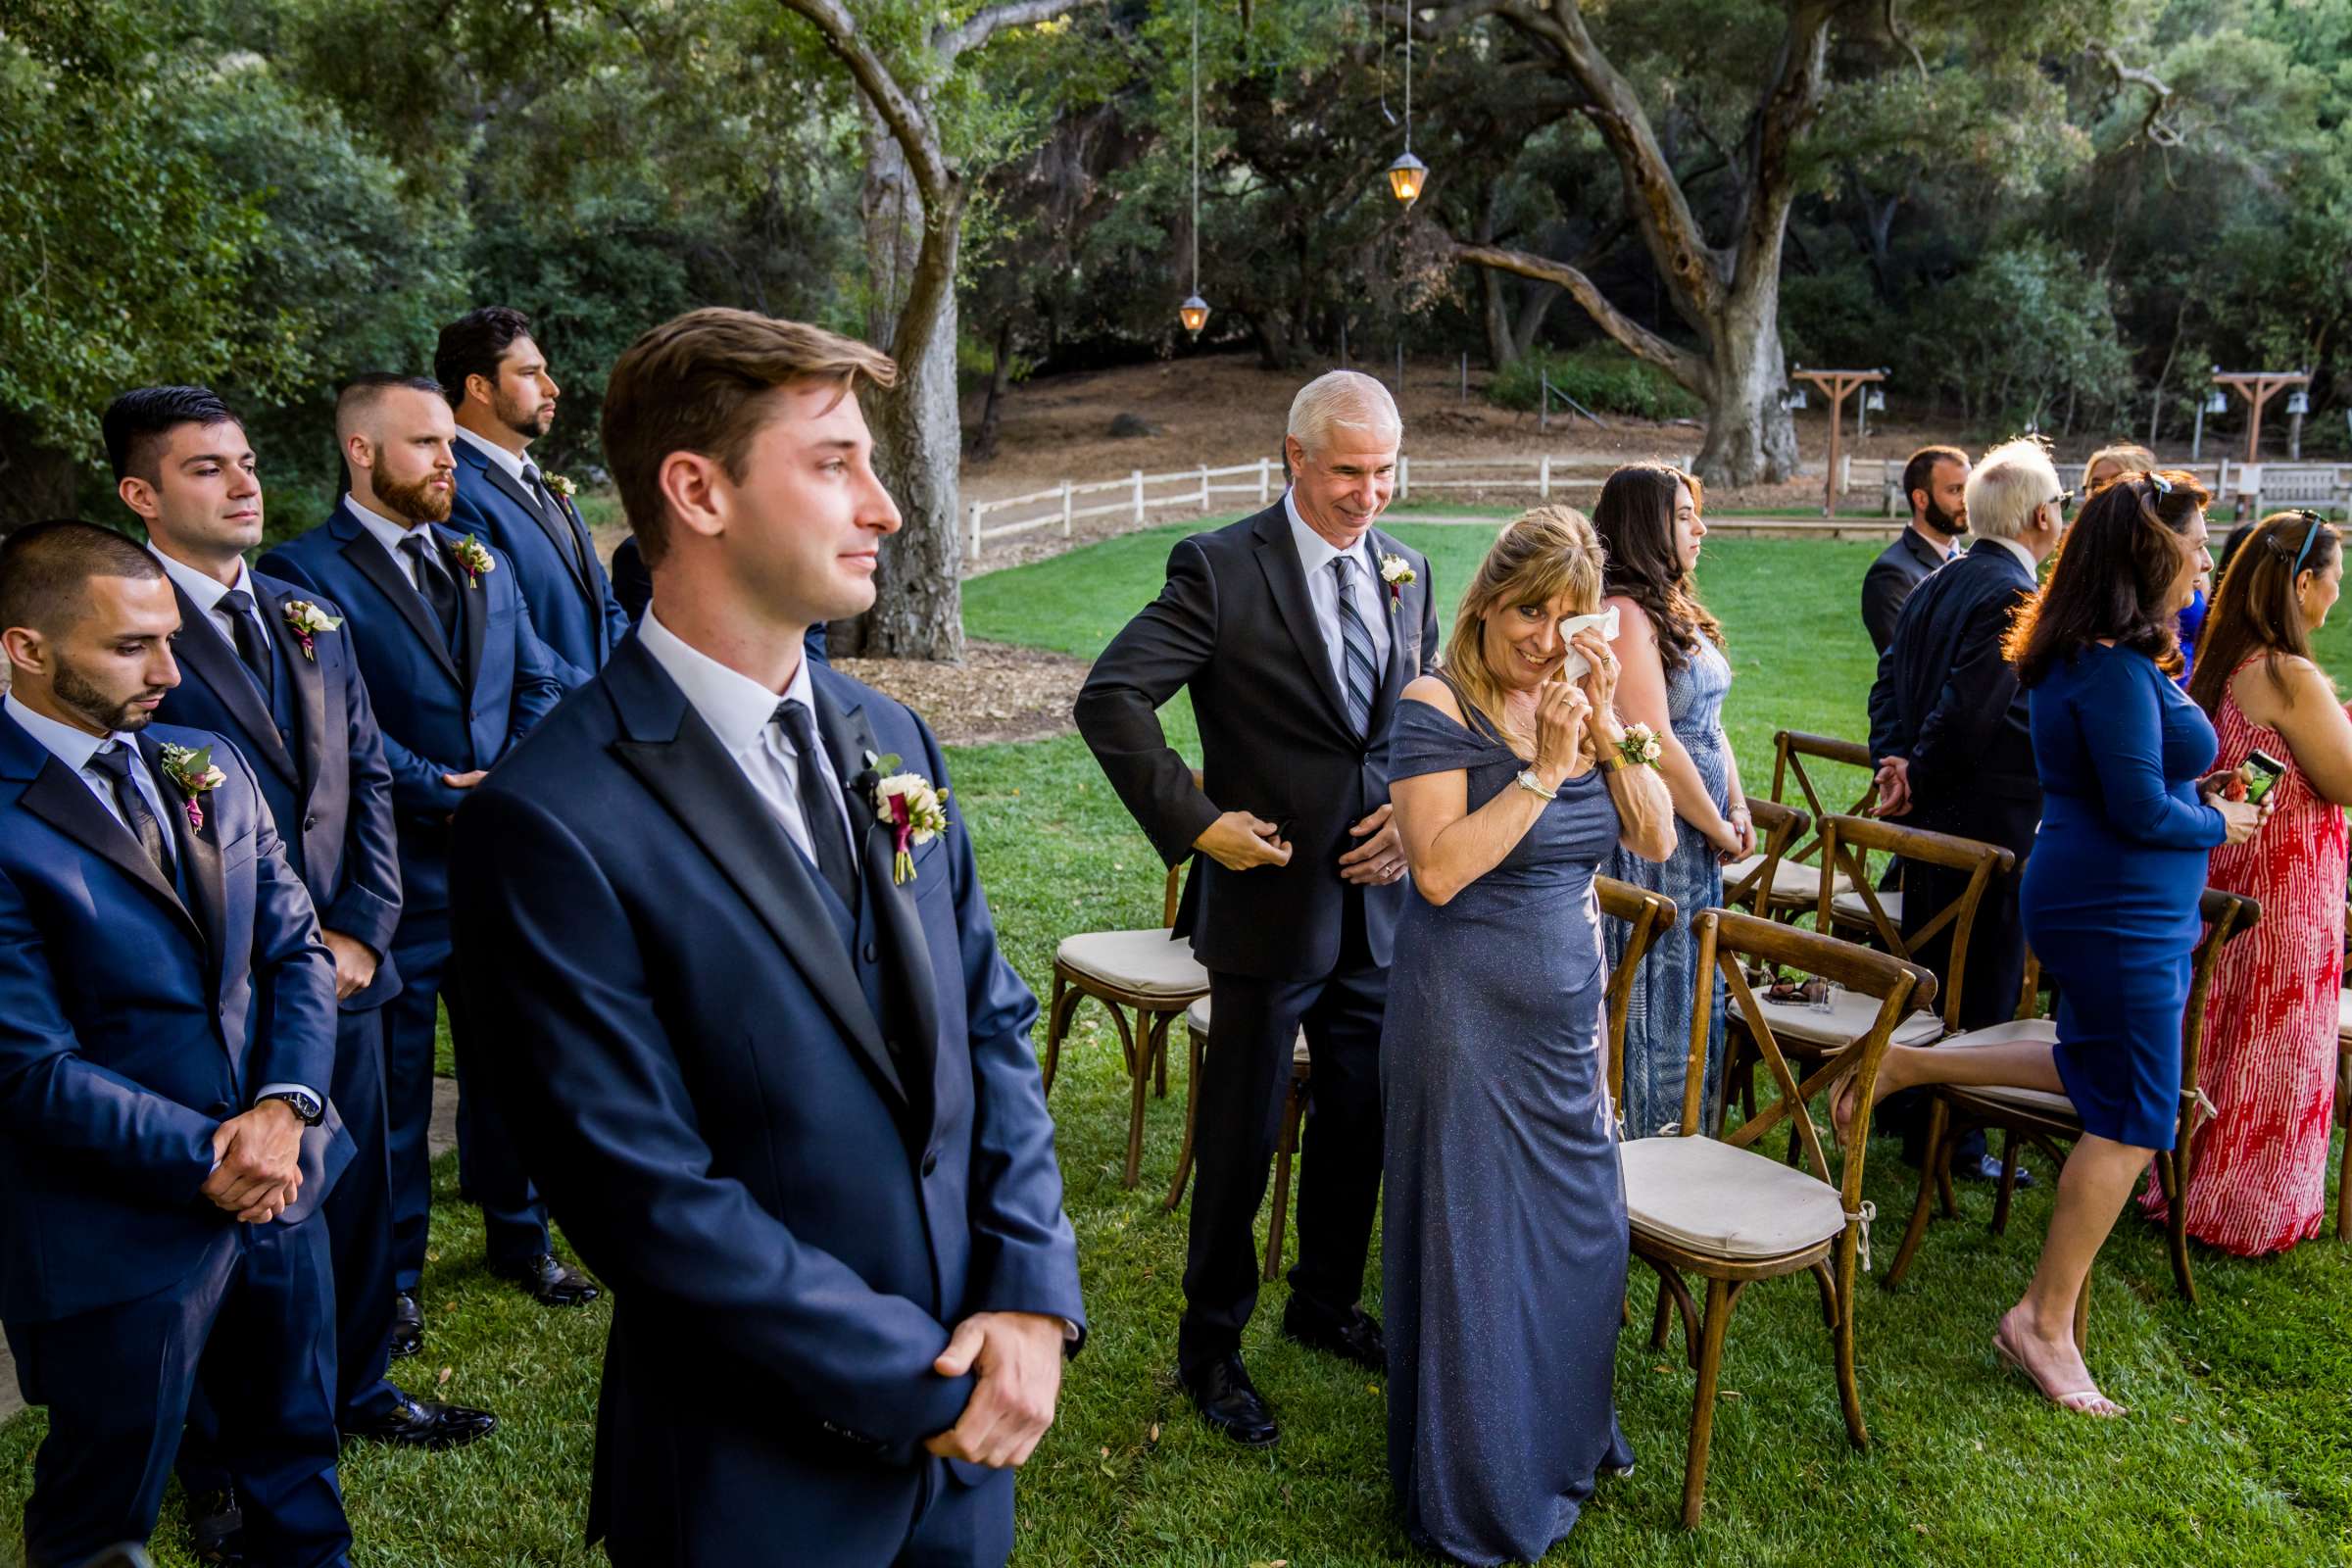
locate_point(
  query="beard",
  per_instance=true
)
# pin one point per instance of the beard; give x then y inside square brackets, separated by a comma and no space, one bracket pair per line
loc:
[416,502]
[94,705]
[1948,523]
[530,425]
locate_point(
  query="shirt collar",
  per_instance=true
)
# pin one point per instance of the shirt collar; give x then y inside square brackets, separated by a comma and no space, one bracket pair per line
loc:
[203,589]
[387,533]
[2024,555]
[511,462]
[1315,553]
[69,745]
[736,707]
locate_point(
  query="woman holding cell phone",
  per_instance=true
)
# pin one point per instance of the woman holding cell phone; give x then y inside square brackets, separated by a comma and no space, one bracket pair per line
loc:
[2260,1177]
[1673,678]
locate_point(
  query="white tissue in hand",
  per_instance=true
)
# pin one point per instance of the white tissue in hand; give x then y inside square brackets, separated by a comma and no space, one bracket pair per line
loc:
[1575,665]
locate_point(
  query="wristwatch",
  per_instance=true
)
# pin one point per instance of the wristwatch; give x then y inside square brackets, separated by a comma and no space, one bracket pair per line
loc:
[306,1110]
[1528,781]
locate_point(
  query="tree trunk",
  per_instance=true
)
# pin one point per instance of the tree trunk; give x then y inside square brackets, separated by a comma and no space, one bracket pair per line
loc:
[1534,303]
[919,443]
[890,209]
[1000,376]
[37,482]
[1750,438]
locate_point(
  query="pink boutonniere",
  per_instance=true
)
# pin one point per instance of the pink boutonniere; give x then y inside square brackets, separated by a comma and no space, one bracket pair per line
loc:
[911,808]
[191,768]
[474,556]
[306,622]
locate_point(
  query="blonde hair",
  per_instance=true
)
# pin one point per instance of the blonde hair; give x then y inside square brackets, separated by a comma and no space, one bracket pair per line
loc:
[1541,553]
[1341,400]
[2015,480]
[2128,457]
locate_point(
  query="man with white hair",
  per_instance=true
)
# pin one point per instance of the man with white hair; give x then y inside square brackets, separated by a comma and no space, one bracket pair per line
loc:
[1294,630]
[1947,719]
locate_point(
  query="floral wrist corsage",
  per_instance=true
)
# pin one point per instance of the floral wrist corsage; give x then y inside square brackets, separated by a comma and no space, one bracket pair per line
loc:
[1639,746]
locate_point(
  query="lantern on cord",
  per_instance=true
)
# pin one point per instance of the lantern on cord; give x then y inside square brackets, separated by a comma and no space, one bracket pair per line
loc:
[1406,175]
[1194,313]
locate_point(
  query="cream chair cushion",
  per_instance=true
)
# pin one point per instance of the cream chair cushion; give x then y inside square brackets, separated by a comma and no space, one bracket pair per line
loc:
[1728,1203]
[1790,879]
[1146,963]
[1196,1019]
[2039,1100]
[1848,1019]
[1852,907]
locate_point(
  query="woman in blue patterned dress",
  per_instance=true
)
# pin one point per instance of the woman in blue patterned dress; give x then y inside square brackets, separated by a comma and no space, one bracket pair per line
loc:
[1504,1241]
[1674,679]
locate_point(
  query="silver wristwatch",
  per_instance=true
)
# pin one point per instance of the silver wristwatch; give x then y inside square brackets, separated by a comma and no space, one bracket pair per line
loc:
[1528,781]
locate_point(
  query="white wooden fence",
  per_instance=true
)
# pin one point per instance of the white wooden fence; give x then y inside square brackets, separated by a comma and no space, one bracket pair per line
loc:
[2258,486]
[1141,495]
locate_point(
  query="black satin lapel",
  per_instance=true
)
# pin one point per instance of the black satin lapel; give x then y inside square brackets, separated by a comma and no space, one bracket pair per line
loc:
[199,851]
[378,567]
[850,738]
[473,617]
[203,648]
[702,786]
[65,804]
[1280,560]
[554,528]
[309,686]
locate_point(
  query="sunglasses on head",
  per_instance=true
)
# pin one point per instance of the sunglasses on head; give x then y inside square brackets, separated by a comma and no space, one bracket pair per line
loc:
[2311,531]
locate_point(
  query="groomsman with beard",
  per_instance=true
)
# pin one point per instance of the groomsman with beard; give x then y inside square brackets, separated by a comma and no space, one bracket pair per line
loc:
[269,665]
[167,1036]
[497,382]
[781,1094]
[456,675]
[1294,630]
[1936,483]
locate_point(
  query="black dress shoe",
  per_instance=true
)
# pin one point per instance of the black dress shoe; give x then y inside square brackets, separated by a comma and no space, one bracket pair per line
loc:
[216,1527]
[1227,1400]
[407,1325]
[428,1424]
[1353,1338]
[549,1281]
[1987,1168]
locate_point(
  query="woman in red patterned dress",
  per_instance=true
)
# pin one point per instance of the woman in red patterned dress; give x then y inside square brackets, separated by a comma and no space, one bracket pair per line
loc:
[2260,1172]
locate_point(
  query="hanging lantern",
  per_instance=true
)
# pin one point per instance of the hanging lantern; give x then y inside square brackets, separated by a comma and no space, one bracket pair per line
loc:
[1875,401]
[2217,402]
[2298,403]
[1194,313]
[1794,398]
[1406,175]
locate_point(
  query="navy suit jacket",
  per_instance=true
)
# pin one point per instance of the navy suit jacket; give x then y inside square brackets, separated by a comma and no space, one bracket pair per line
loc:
[633,586]
[1947,699]
[329,793]
[438,714]
[1892,579]
[572,609]
[1233,625]
[133,1022]
[795,1195]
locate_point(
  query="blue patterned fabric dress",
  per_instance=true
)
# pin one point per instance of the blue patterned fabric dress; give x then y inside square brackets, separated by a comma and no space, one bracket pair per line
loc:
[1503,1239]
[1657,1023]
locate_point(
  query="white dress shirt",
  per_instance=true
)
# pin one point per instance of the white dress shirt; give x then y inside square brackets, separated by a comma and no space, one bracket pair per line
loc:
[519,468]
[390,535]
[740,712]
[75,748]
[1316,553]
[206,593]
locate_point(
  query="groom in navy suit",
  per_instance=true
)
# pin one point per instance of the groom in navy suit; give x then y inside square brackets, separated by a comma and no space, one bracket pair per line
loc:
[782,1098]
[497,382]
[167,1034]
[456,675]
[267,665]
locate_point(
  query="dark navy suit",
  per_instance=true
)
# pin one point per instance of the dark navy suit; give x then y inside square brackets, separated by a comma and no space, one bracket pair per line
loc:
[801,1142]
[572,608]
[137,1013]
[442,709]
[313,746]
[633,586]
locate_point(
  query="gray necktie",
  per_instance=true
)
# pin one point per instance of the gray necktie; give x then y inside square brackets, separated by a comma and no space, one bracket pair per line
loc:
[113,761]
[1356,638]
[831,846]
[251,646]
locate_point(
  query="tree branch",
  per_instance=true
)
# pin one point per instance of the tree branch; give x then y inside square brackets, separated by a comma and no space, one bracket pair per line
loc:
[2160,95]
[951,43]
[1686,367]
[1800,80]
[908,125]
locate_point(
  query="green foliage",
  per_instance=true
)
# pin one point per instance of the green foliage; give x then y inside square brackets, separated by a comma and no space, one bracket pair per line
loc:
[1603,377]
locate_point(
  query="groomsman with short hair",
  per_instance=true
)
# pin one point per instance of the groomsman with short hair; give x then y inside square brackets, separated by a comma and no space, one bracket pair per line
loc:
[456,675]
[167,1039]
[269,666]
[496,379]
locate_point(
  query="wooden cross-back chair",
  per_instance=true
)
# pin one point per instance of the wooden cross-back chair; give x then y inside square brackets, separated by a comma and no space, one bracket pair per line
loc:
[2343,1114]
[2047,1120]
[1721,1210]
[1796,886]
[1810,1032]
[1778,827]
[1151,973]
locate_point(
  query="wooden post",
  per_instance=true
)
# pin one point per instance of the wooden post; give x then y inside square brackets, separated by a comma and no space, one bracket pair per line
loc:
[2258,387]
[1139,496]
[1265,482]
[1404,477]
[975,530]
[1543,478]
[1204,487]
[1835,385]
[1465,375]
[1065,508]
[1543,408]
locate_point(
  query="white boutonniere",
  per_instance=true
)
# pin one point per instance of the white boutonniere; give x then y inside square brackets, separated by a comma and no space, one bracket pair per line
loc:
[474,556]
[1395,572]
[557,485]
[307,620]
[191,768]
[1640,746]
[907,805]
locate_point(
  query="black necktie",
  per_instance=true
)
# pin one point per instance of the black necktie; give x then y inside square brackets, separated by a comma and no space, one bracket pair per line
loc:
[1355,641]
[817,810]
[553,509]
[246,630]
[433,581]
[114,760]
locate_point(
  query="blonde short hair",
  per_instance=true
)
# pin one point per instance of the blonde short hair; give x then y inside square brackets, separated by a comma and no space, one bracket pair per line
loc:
[2015,480]
[1341,400]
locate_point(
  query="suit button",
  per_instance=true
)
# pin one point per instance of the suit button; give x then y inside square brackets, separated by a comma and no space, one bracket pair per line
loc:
[869,953]
[309,823]
[930,1162]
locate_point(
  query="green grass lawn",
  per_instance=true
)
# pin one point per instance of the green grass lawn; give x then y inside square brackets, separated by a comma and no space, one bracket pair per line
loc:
[2239,1448]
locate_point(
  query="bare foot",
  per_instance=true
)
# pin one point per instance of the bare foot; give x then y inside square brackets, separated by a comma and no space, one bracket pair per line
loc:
[2055,1367]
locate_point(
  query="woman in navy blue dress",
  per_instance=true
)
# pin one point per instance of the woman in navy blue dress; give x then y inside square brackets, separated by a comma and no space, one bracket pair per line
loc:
[1503,1239]
[2110,894]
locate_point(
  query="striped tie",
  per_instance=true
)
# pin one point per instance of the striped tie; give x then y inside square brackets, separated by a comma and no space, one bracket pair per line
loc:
[1357,638]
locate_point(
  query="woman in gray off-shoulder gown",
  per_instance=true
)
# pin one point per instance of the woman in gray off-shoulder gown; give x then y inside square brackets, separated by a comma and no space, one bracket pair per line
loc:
[1505,1233]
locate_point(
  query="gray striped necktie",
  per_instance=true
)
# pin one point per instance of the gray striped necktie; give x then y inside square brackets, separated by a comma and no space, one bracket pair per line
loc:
[1356,638]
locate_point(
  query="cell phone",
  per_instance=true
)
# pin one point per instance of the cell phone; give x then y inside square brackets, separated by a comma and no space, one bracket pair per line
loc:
[2262,773]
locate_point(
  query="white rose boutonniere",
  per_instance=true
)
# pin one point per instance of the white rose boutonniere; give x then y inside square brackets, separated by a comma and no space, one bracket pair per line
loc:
[1396,571]
[306,622]
[474,556]
[557,485]
[913,812]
